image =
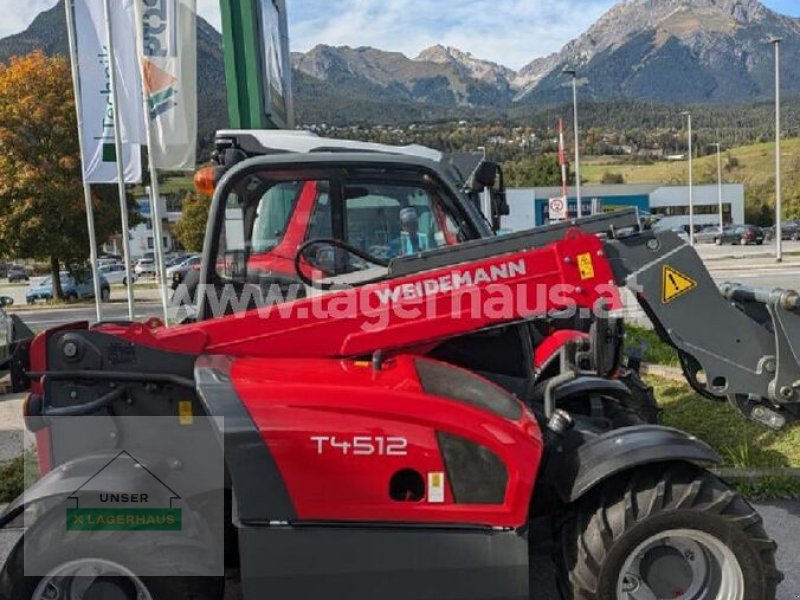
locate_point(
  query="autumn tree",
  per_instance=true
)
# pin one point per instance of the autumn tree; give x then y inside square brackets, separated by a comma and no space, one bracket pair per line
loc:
[191,228]
[42,209]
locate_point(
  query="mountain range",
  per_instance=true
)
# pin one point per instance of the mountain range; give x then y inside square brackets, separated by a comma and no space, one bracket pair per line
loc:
[660,51]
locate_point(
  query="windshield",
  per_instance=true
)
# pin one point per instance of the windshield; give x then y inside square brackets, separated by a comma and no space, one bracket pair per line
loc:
[267,217]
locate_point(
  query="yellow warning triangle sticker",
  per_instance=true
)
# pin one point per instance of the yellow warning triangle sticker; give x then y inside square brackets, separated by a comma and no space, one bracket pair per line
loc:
[675,284]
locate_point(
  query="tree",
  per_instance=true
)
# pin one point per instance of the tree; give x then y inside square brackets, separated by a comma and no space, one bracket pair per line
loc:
[610,178]
[191,228]
[540,171]
[42,210]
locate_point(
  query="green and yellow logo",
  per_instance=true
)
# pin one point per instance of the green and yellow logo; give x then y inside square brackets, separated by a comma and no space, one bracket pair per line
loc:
[123,519]
[147,506]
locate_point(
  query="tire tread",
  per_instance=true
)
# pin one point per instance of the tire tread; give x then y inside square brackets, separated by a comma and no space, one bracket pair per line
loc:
[588,538]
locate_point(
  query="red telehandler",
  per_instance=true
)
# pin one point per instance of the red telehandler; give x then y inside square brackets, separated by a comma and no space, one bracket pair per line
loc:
[359,458]
[513,356]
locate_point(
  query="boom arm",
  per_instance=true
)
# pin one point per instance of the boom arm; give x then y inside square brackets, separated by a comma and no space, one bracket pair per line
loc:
[734,342]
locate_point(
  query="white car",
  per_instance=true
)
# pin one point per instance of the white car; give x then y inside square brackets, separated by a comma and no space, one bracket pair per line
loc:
[145,266]
[115,274]
[183,266]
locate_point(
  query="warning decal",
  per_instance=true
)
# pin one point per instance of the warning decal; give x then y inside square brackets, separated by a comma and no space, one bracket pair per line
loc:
[675,284]
[586,266]
[436,487]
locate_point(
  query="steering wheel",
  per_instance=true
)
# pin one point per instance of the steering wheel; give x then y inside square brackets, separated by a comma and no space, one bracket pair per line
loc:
[358,253]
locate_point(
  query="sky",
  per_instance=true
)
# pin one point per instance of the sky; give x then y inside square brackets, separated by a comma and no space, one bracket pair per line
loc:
[510,32]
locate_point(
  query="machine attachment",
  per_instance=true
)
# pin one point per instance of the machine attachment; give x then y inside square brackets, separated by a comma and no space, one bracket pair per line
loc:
[735,343]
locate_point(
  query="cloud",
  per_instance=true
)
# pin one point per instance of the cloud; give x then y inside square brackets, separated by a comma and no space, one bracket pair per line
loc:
[511,32]
[18,15]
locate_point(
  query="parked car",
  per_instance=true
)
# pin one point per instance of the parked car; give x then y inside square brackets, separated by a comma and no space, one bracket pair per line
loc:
[790,230]
[17,273]
[75,286]
[145,266]
[115,274]
[706,234]
[183,265]
[179,272]
[682,231]
[740,234]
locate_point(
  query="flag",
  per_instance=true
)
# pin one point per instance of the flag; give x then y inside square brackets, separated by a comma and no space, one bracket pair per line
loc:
[166,39]
[98,113]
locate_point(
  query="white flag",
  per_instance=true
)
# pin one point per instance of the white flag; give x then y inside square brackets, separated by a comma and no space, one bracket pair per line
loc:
[166,38]
[97,107]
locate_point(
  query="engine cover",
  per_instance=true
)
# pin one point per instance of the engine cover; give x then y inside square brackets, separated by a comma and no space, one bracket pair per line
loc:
[415,441]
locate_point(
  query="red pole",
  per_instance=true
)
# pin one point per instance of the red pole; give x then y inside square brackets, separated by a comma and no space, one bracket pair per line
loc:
[562,160]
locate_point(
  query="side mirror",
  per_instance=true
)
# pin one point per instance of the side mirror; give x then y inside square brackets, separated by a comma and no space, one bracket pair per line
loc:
[236,265]
[484,177]
[6,301]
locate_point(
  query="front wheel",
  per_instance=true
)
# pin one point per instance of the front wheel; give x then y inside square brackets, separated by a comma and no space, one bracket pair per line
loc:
[661,532]
[105,294]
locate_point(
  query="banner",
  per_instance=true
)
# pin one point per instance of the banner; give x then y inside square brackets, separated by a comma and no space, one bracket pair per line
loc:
[166,38]
[275,63]
[97,107]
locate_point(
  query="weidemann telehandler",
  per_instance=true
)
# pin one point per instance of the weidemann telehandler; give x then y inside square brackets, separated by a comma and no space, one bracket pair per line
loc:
[357,462]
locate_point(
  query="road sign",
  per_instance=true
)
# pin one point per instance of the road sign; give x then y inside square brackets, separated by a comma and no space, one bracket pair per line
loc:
[558,209]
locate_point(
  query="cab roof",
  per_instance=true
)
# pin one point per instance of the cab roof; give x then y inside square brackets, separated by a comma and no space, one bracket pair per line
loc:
[282,141]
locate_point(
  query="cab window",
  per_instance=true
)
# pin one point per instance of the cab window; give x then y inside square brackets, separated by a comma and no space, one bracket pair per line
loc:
[387,221]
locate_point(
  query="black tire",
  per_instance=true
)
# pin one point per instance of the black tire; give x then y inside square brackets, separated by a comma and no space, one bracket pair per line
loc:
[718,241]
[72,296]
[53,547]
[105,294]
[643,399]
[606,527]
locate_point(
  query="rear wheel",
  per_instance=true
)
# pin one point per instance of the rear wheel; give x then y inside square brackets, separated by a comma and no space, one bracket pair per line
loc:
[105,294]
[718,241]
[666,533]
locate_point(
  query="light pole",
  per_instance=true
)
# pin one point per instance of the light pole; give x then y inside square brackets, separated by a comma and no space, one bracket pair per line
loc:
[688,116]
[486,199]
[778,192]
[572,73]
[719,185]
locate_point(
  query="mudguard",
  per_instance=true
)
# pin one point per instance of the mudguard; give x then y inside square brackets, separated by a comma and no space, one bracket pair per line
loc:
[583,387]
[624,449]
[80,475]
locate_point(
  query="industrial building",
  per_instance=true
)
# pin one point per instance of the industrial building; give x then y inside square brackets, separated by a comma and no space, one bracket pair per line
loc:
[530,206]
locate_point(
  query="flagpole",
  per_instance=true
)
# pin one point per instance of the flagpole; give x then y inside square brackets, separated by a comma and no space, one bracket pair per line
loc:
[123,204]
[87,190]
[155,197]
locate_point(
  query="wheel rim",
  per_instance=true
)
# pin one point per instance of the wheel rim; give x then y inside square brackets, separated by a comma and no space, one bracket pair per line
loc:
[91,578]
[681,563]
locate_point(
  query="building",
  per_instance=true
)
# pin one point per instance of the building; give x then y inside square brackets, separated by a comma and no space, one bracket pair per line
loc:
[142,238]
[530,206]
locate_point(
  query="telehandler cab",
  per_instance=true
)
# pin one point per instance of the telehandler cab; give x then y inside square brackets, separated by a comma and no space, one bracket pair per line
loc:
[358,459]
[518,356]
